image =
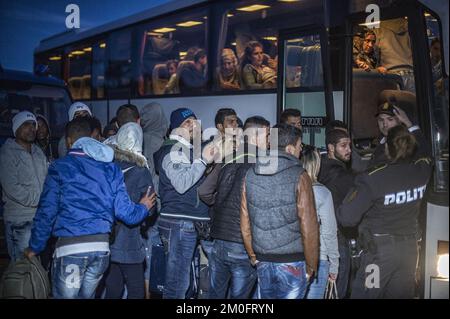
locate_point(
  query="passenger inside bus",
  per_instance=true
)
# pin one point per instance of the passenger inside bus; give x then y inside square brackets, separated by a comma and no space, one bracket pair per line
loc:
[255,74]
[171,87]
[193,77]
[228,75]
[364,54]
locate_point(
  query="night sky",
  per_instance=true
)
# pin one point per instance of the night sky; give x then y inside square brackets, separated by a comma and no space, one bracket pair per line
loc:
[23,23]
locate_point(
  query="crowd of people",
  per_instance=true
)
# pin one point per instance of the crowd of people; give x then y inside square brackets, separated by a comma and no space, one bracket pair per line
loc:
[274,217]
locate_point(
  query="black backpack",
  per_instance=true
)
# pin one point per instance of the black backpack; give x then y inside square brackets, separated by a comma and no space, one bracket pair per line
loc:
[25,279]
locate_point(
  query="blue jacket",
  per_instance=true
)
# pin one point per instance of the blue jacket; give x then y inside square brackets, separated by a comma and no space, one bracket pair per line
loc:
[179,179]
[128,246]
[82,196]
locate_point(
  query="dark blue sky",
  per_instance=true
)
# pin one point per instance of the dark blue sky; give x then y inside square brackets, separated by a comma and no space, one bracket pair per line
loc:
[23,23]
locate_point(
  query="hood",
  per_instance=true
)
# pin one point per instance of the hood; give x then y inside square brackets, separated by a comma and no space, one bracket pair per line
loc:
[39,116]
[130,138]
[94,149]
[129,157]
[154,125]
[153,120]
[275,163]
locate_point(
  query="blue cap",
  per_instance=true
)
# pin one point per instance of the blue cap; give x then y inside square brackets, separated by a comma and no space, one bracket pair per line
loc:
[179,116]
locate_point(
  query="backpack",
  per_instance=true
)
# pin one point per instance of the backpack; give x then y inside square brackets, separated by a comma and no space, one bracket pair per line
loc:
[25,279]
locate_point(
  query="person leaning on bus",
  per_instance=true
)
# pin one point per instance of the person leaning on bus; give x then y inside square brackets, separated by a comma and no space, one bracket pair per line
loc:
[385,204]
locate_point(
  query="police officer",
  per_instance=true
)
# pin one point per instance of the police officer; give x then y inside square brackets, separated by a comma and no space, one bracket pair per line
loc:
[388,116]
[385,203]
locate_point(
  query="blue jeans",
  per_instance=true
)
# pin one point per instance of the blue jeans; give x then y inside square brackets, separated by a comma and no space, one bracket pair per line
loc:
[318,285]
[281,280]
[231,271]
[17,238]
[179,238]
[152,240]
[77,276]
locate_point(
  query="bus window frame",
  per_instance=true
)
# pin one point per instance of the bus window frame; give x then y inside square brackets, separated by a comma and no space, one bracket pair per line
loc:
[327,88]
[435,197]
[421,67]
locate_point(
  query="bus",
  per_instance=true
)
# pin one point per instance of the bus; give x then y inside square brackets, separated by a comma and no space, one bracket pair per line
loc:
[307,48]
[43,95]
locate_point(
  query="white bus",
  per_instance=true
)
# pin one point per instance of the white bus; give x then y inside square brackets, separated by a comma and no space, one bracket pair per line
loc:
[308,45]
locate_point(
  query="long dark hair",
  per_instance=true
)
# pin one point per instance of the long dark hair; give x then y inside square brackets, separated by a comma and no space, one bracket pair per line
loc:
[401,144]
[247,57]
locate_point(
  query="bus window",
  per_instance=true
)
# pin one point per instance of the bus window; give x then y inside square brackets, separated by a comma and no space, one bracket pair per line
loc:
[79,72]
[119,64]
[439,113]
[303,87]
[54,63]
[98,69]
[383,71]
[51,102]
[248,47]
[172,57]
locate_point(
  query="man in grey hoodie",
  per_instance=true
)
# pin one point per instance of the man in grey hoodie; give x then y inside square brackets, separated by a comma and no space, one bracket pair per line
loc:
[23,167]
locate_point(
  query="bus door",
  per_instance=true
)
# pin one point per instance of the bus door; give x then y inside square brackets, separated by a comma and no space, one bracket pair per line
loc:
[304,80]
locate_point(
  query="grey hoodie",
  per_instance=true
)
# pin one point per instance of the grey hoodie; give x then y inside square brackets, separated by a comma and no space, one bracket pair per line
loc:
[154,125]
[328,227]
[22,176]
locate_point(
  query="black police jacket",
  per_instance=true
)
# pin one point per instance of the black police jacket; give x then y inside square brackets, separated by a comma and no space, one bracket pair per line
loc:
[386,199]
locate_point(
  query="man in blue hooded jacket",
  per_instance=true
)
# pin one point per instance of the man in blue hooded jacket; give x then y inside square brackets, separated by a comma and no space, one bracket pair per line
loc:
[83,194]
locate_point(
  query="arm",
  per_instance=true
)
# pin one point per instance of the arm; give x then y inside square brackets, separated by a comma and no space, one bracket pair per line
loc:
[249,79]
[245,226]
[124,208]
[183,176]
[356,203]
[14,189]
[329,232]
[46,213]
[309,227]
[207,190]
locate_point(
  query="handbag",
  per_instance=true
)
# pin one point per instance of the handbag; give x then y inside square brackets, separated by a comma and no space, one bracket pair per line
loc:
[331,290]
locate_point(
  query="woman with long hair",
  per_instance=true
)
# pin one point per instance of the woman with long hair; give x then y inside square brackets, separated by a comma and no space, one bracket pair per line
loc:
[329,254]
[255,74]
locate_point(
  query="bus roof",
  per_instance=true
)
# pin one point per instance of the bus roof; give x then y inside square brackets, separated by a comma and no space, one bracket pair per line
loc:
[14,75]
[72,36]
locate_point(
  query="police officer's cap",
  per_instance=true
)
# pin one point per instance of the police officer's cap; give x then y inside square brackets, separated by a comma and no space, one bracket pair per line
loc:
[386,108]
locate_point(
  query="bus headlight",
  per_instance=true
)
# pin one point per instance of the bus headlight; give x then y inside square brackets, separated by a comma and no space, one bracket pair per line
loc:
[442,266]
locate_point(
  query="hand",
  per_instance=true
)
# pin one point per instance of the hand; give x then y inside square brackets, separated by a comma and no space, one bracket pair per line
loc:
[148,200]
[210,152]
[402,117]
[29,253]
[363,65]
[309,274]
[382,69]
[253,261]
[332,277]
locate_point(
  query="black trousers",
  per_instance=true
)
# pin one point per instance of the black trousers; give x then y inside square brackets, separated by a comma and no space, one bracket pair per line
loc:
[120,275]
[388,272]
[342,282]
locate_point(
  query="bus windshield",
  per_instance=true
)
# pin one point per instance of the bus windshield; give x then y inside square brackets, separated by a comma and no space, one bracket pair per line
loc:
[50,101]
